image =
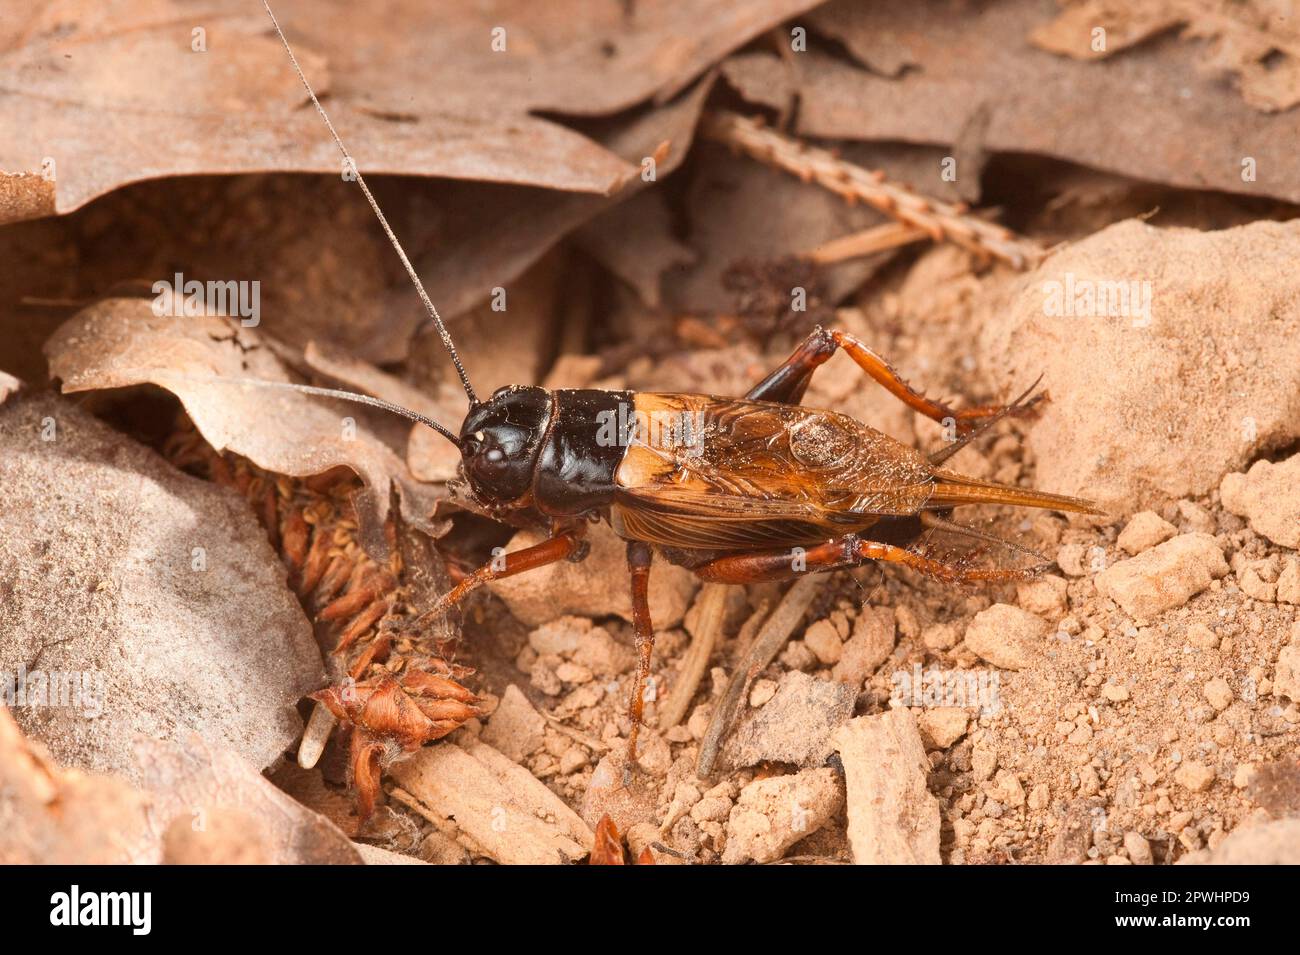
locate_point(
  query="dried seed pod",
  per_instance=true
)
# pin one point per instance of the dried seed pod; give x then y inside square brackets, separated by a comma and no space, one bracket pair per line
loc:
[358,607]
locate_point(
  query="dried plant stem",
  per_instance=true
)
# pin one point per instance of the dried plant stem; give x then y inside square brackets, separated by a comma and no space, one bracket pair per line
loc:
[578,736]
[880,238]
[941,221]
[711,606]
[749,629]
[771,638]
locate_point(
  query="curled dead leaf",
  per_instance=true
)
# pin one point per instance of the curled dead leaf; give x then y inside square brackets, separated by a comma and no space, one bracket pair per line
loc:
[196,804]
[430,89]
[205,789]
[1248,39]
[121,342]
[57,816]
[1061,107]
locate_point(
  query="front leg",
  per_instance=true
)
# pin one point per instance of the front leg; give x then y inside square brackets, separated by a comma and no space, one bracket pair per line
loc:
[569,544]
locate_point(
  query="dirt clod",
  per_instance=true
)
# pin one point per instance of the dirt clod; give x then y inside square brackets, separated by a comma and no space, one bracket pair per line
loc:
[1164,577]
[1268,495]
[773,814]
[1006,636]
[892,816]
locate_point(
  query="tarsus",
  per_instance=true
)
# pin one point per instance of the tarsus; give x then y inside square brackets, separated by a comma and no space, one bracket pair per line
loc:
[1021,403]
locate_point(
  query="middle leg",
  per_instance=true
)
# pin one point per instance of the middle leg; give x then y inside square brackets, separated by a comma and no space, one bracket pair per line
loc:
[639,557]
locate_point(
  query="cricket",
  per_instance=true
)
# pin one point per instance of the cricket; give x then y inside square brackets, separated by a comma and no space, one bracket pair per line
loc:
[787,433]
[732,499]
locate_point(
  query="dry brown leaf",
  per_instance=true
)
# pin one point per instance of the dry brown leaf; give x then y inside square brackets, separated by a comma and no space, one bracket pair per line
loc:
[417,87]
[53,816]
[1073,33]
[430,456]
[193,786]
[635,241]
[120,342]
[886,48]
[608,849]
[1187,129]
[1252,40]
[326,272]
[500,232]
[152,597]
[136,101]
[198,804]
[762,78]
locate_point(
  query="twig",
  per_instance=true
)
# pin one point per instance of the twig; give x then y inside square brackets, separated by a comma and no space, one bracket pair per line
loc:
[941,221]
[776,631]
[868,242]
[749,629]
[711,605]
[586,739]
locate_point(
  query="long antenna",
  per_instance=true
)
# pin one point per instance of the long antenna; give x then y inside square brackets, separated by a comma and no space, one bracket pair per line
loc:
[352,166]
[326,393]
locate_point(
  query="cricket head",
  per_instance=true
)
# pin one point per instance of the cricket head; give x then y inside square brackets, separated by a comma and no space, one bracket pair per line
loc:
[501,440]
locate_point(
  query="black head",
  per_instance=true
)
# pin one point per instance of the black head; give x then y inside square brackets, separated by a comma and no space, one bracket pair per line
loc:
[500,441]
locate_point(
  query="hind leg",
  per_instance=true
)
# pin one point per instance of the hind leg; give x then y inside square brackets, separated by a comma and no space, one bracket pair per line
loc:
[850,550]
[788,383]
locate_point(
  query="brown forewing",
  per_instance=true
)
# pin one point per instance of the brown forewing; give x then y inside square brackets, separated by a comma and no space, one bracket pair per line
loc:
[726,473]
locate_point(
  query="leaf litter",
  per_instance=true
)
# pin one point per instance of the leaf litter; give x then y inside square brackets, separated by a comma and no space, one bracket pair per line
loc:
[138,601]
